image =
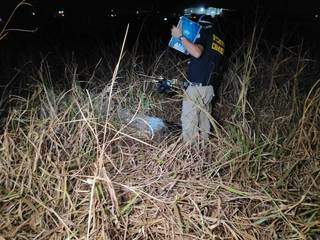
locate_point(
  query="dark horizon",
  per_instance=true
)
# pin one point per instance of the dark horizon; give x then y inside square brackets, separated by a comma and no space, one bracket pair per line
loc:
[272,6]
[103,20]
[43,12]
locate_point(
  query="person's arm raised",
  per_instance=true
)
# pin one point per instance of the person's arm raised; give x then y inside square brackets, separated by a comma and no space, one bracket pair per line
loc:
[195,50]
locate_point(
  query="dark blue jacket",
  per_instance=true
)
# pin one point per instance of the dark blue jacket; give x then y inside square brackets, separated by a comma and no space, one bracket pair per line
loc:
[201,69]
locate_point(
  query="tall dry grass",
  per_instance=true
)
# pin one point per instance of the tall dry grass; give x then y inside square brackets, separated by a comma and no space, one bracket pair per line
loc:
[5,30]
[70,169]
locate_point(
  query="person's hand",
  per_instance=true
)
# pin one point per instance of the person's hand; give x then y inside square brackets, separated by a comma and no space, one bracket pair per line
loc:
[176,32]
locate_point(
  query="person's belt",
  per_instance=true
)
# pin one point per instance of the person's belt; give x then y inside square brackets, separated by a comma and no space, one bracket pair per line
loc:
[197,84]
[193,84]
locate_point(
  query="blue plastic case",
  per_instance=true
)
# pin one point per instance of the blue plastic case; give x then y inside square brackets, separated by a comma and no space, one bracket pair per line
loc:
[190,30]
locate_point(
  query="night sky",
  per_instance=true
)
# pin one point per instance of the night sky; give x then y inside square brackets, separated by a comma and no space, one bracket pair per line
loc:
[82,15]
[96,6]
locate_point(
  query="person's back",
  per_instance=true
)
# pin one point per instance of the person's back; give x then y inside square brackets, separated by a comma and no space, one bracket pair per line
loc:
[200,70]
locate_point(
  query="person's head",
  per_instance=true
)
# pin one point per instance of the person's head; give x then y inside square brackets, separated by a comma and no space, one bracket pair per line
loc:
[207,22]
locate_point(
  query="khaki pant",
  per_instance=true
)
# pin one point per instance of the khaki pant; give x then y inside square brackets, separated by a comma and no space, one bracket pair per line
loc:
[195,111]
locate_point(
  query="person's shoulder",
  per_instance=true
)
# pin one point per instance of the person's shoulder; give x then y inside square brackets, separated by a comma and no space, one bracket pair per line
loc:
[205,32]
[202,36]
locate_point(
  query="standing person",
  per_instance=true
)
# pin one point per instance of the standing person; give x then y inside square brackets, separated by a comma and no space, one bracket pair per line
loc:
[206,53]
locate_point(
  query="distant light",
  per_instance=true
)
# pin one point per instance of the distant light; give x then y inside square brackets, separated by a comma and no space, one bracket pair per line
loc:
[61,13]
[316,16]
[165,19]
[137,12]
[211,11]
[33,13]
